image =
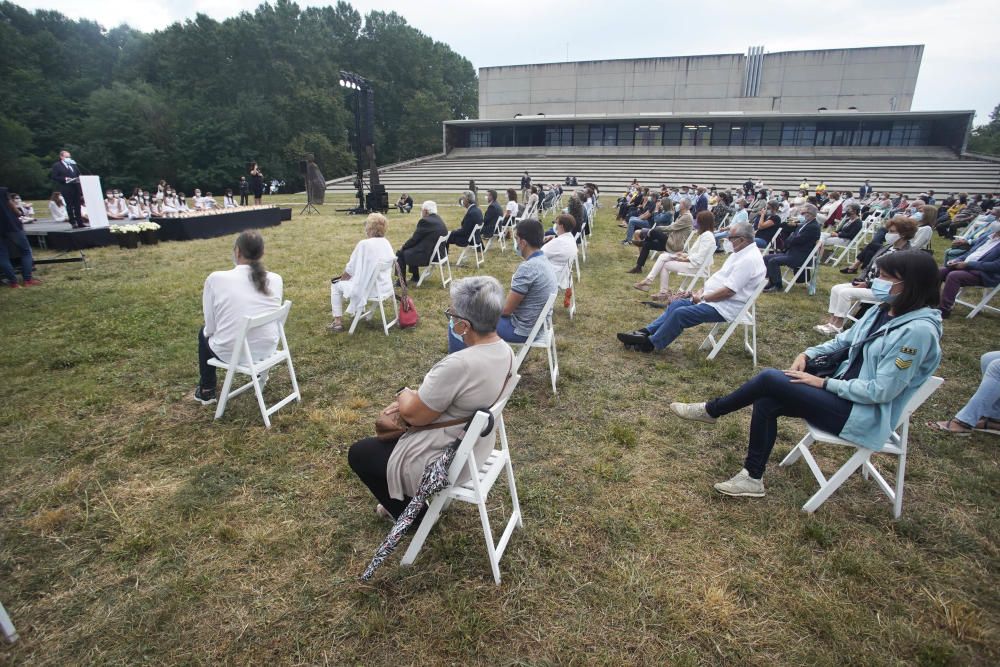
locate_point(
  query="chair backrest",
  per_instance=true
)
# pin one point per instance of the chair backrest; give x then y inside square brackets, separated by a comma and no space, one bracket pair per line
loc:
[921,238]
[533,334]
[687,241]
[438,255]
[371,289]
[474,234]
[744,316]
[241,347]
[919,396]
[475,429]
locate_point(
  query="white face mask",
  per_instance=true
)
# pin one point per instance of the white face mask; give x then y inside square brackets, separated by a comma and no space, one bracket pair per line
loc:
[891,237]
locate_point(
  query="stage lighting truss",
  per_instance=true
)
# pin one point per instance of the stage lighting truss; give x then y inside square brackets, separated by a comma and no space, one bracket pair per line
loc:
[353,81]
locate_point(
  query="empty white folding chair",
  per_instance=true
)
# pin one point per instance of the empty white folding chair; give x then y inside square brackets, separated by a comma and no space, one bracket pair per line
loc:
[747,318]
[895,446]
[809,268]
[475,490]
[6,626]
[541,335]
[257,369]
[371,295]
[439,258]
[983,304]
[476,244]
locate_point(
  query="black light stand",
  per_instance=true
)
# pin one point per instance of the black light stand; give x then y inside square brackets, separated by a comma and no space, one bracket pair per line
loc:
[377,198]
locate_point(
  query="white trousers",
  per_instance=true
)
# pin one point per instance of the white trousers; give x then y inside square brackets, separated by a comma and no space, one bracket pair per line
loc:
[338,290]
[843,297]
[665,265]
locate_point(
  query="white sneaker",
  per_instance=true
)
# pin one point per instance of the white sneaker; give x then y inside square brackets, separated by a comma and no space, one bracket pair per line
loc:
[693,411]
[742,485]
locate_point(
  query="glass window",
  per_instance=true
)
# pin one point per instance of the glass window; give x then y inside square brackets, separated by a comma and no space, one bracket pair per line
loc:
[648,135]
[688,135]
[501,137]
[559,135]
[736,135]
[720,134]
[753,134]
[479,139]
[672,134]
[610,135]
[704,136]
[771,135]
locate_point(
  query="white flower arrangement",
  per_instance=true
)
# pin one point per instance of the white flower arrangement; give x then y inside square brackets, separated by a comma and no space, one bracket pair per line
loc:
[147,226]
[125,229]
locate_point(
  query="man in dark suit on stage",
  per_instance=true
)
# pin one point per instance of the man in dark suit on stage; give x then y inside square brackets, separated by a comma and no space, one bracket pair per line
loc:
[66,174]
[492,215]
[473,217]
[419,248]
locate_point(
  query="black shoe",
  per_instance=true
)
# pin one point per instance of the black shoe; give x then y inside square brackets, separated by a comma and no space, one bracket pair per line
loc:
[772,288]
[848,271]
[633,338]
[204,396]
[634,269]
[945,314]
[645,348]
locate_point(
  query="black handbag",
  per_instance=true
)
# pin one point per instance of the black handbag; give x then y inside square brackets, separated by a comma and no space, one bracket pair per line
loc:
[825,365]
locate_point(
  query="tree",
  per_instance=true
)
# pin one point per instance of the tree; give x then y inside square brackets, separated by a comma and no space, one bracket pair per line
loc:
[985,139]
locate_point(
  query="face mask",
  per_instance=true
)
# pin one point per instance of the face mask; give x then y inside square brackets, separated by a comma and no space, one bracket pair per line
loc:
[802,219]
[891,237]
[881,288]
[451,328]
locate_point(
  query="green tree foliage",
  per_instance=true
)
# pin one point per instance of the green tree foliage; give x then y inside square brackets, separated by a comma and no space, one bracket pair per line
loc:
[985,139]
[193,103]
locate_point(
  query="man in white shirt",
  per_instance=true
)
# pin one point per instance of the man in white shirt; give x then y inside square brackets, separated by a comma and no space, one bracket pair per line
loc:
[723,297]
[229,296]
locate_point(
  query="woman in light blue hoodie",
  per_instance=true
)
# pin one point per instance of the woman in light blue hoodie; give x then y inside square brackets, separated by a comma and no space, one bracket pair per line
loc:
[863,400]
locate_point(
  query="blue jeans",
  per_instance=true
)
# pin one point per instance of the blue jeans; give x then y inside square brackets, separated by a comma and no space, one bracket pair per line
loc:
[20,241]
[680,315]
[773,395]
[761,243]
[986,401]
[634,224]
[505,329]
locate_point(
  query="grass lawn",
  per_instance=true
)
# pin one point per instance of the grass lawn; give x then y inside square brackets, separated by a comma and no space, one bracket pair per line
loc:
[134,528]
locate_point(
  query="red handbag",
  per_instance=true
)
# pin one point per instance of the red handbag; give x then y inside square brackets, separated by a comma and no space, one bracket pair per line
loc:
[408,316]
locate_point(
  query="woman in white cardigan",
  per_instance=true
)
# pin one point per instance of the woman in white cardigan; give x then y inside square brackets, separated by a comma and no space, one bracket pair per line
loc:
[561,250]
[365,259]
[57,208]
[699,255]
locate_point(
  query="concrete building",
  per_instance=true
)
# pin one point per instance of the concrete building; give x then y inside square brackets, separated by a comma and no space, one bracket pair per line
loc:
[869,79]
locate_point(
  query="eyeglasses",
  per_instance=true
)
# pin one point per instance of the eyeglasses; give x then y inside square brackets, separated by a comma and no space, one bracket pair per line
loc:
[449,313]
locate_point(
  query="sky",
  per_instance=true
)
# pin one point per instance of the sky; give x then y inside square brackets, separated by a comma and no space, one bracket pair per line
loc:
[960,68]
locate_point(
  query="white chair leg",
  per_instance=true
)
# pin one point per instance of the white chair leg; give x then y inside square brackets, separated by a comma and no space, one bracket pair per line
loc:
[826,490]
[488,535]
[224,396]
[7,626]
[424,529]
[259,391]
[796,452]
[897,501]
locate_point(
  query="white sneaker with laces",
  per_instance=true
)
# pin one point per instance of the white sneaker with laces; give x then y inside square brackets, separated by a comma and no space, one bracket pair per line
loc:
[693,411]
[742,485]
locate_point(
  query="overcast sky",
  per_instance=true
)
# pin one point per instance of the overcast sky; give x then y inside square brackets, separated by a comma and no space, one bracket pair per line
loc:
[960,68]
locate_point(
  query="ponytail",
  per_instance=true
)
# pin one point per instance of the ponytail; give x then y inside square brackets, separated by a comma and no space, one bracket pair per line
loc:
[251,247]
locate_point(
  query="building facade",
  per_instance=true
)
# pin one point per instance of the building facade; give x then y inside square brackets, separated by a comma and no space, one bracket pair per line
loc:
[867,79]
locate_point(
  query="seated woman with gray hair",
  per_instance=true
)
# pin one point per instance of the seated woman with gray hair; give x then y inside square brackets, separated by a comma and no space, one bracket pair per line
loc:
[371,251]
[455,388]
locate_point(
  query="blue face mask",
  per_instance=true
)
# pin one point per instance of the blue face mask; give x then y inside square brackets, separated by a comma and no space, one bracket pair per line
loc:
[881,288]
[802,219]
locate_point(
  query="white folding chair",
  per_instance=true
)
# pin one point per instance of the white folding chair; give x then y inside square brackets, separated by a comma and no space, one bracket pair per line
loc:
[439,258]
[257,369]
[689,280]
[541,335]
[689,239]
[840,253]
[371,293]
[6,626]
[581,243]
[481,477]
[747,318]
[475,242]
[895,446]
[506,231]
[810,267]
[983,304]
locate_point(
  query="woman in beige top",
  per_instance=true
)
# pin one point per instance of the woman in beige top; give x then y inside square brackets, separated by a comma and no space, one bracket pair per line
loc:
[456,387]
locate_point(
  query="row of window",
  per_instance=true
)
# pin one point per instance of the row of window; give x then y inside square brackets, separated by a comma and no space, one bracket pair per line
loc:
[775,133]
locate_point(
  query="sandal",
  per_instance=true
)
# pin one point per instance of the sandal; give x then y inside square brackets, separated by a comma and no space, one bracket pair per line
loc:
[643,285]
[662,296]
[945,427]
[988,426]
[335,327]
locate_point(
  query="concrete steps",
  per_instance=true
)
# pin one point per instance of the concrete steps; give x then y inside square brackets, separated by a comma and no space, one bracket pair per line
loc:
[910,175]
